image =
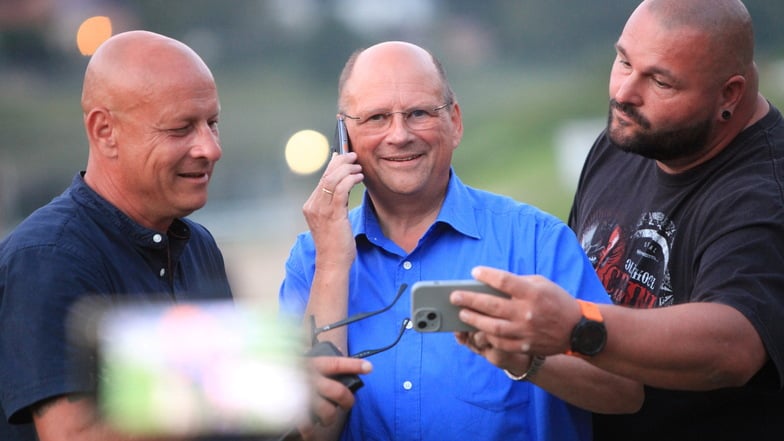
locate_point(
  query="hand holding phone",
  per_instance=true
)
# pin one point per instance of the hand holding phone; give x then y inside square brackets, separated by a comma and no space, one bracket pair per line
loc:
[431,310]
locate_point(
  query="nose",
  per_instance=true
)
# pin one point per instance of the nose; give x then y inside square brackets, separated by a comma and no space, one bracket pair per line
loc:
[624,89]
[208,143]
[398,128]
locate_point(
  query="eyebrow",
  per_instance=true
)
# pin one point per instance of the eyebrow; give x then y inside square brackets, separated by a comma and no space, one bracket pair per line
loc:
[653,70]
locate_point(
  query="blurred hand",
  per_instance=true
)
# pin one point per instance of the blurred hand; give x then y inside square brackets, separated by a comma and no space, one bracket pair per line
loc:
[331,395]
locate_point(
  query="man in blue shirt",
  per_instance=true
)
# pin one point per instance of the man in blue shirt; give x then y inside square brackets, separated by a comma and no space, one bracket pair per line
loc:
[418,221]
[151,115]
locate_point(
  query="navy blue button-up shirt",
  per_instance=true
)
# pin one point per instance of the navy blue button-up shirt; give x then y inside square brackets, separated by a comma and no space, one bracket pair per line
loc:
[76,246]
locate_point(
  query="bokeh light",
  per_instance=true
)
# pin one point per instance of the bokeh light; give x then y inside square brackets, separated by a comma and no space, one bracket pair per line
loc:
[92,32]
[307,151]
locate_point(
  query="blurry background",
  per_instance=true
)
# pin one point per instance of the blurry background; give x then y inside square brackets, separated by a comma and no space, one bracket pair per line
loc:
[531,77]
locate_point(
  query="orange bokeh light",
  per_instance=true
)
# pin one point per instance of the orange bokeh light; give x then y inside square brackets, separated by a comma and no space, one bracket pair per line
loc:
[93,32]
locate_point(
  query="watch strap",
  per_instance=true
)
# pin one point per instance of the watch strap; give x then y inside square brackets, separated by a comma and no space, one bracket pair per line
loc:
[589,311]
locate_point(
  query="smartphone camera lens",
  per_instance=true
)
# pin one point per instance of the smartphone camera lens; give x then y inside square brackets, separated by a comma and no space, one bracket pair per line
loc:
[422,324]
[431,316]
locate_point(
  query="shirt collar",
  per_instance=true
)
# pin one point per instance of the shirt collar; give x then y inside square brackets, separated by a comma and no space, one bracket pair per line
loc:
[457,211]
[109,214]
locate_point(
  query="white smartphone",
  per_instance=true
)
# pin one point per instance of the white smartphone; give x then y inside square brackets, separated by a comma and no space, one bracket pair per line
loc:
[431,310]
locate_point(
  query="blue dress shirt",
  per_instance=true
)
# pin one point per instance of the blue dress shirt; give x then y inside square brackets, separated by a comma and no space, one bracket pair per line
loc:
[428,386]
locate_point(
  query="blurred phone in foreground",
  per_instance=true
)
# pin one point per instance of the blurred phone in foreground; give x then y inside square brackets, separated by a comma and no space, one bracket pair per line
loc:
[341,142]
[207,369]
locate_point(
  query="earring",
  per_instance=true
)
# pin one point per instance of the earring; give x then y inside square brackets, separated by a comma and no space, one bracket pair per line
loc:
[726,115]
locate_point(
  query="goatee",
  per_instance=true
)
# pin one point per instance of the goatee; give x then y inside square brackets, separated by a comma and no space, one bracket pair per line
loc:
[663,144]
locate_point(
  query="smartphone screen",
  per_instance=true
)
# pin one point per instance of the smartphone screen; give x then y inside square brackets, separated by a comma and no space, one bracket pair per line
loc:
[199,369]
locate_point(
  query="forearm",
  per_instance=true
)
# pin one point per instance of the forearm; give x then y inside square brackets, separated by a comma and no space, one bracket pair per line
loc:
[696,346]
[327,304]
[74,418]
[584,385]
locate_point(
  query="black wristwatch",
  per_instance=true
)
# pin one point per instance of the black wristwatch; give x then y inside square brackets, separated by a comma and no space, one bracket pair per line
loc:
[589,334]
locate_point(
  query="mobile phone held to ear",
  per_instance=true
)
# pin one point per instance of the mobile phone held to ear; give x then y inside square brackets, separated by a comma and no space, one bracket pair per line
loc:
[341,142]
[431,310]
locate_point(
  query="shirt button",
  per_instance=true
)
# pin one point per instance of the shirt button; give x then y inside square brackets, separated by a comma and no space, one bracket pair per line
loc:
[163,272]
[407,385]
[157,238]
[407,265]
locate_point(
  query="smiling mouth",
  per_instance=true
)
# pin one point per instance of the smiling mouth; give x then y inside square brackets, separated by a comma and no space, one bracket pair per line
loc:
[404,158]
[203,175]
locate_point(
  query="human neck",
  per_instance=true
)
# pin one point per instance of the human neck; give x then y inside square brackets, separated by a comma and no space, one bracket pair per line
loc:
[746,114]
[406,218]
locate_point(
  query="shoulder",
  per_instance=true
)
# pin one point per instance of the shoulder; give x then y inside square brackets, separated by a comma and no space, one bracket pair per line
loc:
[506,219]
[57,224]
[494,205]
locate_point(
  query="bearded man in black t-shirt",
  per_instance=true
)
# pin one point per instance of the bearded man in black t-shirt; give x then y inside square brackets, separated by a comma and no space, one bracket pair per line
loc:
[680,208]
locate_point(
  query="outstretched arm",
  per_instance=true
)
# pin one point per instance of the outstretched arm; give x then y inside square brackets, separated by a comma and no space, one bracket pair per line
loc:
[697,346]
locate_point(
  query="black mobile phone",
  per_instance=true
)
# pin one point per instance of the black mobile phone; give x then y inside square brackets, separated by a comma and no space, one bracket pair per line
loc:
[341,143]
[431,310]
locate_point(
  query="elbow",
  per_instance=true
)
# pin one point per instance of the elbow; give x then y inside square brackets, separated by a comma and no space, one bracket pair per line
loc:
[627,399]
[632,400]
[636,400]
[736,371]
[732,376]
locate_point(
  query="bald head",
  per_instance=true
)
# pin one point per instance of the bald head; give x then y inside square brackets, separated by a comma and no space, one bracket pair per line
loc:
[151,115]
[391,55]
[725,23]
[131,65]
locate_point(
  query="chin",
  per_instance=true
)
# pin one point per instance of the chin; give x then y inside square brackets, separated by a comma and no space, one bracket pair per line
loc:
[187,209]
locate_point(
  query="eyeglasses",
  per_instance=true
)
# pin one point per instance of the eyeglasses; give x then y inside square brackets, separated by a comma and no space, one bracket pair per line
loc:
[361,316]
[415,119]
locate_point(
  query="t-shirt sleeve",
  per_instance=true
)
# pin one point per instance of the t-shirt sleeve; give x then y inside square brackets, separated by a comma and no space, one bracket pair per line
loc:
[744,268]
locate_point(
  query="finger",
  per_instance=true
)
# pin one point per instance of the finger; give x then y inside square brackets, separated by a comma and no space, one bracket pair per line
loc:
[331,394]
[486,304]
[305,432]
[467,340]
[339,167]
[504,281]
[462,337]
[496,327]
[480,341]
[329,366]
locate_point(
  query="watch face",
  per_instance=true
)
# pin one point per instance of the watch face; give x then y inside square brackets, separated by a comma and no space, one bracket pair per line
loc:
[589,337]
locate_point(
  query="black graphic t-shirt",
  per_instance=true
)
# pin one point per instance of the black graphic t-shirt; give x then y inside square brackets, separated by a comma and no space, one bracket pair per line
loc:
[712,234]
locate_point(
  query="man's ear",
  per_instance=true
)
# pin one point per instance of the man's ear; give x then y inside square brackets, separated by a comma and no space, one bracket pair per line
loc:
[100,127]
[457,122]
[732,92]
